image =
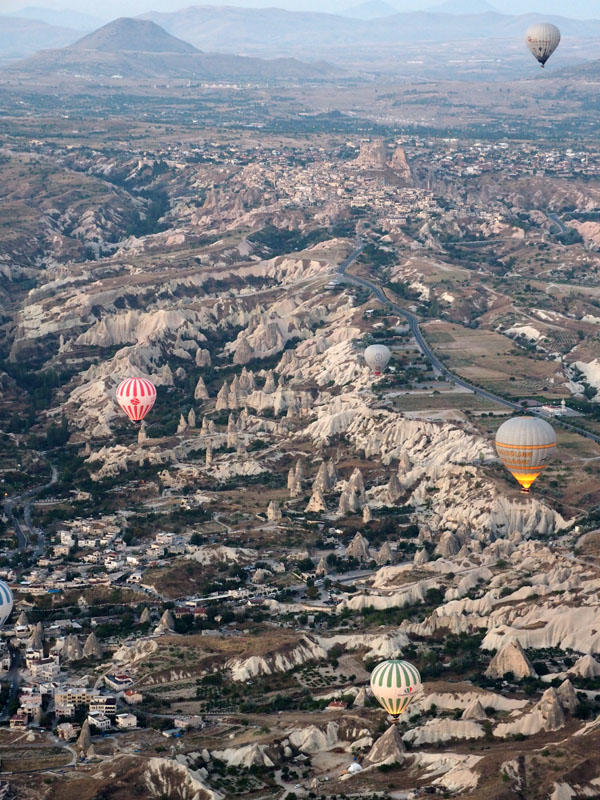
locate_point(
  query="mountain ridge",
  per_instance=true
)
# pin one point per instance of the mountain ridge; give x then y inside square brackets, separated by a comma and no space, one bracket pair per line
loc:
[108,52]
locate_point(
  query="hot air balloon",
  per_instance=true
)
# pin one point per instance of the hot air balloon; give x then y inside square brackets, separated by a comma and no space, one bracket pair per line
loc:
[394,684]
[136,397]
[542,40]
[525,446]
[6,602]
[377,357]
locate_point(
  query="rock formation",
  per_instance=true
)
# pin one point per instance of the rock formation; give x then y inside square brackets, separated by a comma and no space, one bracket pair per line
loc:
[322,568]
[166,623]
[448,545]
[361,698]
[145,616]
[92,647]
[71,649]
[567,696]
[222,402]
[36,638]
[510,658]
[358,548]
[316,502]
[85,738]
[474,711]
[384,556]
[274,511]
[586,667]
[203,358]
[388,749]
[22,619]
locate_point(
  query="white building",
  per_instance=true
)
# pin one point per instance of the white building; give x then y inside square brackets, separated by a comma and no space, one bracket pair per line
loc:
[126,721]
[99,720]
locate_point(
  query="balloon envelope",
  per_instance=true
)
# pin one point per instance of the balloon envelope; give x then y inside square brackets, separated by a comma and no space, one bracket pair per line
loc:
[394,684]
[377,357]
[6,602]
[525,445]
[136,397]
[542,40]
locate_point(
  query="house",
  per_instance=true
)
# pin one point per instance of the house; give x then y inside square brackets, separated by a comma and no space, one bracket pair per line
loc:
[337,705]
[126,721]
[99,720]
[45,668]
[119,682]
[30,701]
[104,704]
[68,731]
[131,697]
[186,722]
[19,721]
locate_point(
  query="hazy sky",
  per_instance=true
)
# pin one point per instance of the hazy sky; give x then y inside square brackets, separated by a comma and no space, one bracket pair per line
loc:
[107,9]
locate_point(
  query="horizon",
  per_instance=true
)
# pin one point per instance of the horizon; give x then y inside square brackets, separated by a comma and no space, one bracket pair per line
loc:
[574,9]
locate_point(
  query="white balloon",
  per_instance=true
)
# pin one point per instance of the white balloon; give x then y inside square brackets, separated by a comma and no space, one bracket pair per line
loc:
[377,357]
[542,40]
[6,602]
[525,446]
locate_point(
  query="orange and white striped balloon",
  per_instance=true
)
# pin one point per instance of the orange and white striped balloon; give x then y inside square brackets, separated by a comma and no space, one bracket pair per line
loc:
[136,397]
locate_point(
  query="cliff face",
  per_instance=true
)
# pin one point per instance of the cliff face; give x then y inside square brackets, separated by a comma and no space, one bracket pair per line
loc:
[389,161]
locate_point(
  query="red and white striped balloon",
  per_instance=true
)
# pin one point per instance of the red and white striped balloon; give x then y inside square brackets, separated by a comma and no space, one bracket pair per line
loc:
[136,397]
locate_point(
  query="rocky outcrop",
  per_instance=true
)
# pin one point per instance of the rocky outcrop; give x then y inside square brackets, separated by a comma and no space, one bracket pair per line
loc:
[510,658]
[316,503]
[85,738]
[166,623]
[201,392]
[274,511]
[585,667]
[547,715]
[388,749]
[71,649]
[22,619]
[36,639]
[312,739]
[436,731]
[248,756]
[384,556]
[474,711]
[165,777]
[281,659]
[358,548]
[567,697]
[92,647]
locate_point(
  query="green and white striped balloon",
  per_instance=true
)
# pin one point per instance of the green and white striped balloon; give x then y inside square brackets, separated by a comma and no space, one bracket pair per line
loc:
[394,684]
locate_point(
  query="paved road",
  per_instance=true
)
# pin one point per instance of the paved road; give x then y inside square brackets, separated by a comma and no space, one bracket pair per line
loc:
[413,324]
[557,221]
[10,502]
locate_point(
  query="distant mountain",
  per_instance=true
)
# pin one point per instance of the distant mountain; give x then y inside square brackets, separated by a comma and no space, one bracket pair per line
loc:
[135,48]
[371,9]
[273,31]
[462,7]
[131,35]
[63,18]
[574,9]
[590,71]
[20,38]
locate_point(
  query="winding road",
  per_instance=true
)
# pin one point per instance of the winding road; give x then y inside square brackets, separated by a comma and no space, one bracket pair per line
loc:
[11,502]
[413,324]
